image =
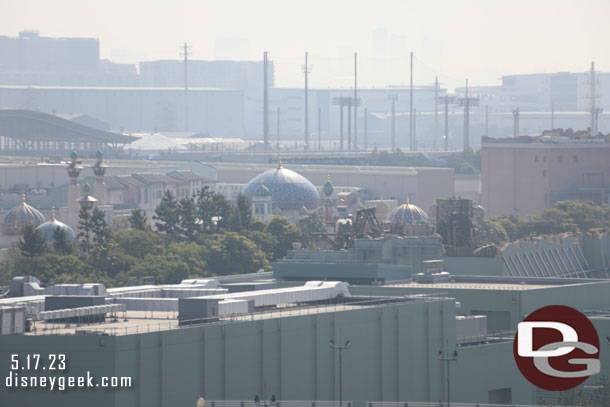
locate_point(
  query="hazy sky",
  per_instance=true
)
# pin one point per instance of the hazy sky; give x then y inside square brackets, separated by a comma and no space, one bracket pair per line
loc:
[478,39]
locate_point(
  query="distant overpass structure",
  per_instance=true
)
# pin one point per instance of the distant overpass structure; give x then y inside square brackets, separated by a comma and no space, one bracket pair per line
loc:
[25,132]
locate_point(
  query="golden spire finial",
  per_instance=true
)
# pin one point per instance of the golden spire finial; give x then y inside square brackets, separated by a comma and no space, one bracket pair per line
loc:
[53,213]
[23,196]
[408,202]
[328,177]
[279,160]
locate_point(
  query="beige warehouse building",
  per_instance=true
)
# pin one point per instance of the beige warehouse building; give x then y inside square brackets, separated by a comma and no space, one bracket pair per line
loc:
[526,175]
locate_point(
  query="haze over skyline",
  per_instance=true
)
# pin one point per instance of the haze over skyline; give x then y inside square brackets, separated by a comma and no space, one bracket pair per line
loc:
[479,40]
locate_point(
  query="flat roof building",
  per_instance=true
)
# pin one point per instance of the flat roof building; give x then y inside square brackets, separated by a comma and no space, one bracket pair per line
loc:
[526,175]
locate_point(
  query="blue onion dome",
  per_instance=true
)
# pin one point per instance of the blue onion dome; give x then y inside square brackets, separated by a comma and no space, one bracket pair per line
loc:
[289,190]
[48,228]
[262,191]
[407,214]
[328,188]
[17,218]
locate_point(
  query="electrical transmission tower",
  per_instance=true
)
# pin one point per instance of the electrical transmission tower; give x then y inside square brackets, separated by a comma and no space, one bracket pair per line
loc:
[447,100]
[185,53]
[466,102]
[594,111]
[393,97]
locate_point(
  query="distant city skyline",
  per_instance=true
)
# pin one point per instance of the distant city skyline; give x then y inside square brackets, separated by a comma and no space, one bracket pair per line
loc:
[472,39]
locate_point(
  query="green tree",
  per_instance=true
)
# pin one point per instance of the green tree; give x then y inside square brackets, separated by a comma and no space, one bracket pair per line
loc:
[189,227]
[586,215]
[33,242]
[61,243]
[285,233]
[205,209]
[490,230]
[166,269]
[193,255]
[53,268]
[138,220]
[264,241]
[139,243]
[221,208]
[234,220]
[230,253]
[245,210]
[84,228]
[168,215]
[99,229]
[309,225]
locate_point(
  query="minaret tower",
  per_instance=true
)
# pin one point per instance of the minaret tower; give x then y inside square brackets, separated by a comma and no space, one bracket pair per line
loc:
[262,203]
[328,203]
[74,169]
[99,169]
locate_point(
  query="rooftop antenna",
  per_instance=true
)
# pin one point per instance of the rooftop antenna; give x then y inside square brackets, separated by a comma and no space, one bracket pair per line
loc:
[185,54]
[306,70]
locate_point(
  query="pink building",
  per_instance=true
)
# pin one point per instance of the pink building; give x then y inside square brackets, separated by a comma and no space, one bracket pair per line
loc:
[526,175]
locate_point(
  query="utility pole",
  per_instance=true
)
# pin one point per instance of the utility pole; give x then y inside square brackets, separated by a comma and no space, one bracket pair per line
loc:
[467,121]
[446,122]
[467,101]
[415,128]
[593,110]
[435,112]
[278,128]
[185,54]
[393,98]
[342,101]
[349,127]
[319,129]
[355,98]
[340,348]
[447,360]
[447,100]
[410,108]
[516,122]
[306,70]
[265,103]
[365,130]
[341,128]
[486,120]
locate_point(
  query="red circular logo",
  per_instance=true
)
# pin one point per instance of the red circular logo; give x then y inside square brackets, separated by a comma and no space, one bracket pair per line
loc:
[556,348]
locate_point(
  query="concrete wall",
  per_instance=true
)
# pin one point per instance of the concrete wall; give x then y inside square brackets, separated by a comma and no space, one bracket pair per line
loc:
[393,356]
[525,178]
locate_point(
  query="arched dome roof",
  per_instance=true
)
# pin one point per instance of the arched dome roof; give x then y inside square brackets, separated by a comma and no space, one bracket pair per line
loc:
[289,190]
[48,228]
[20,216]
[407,214]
